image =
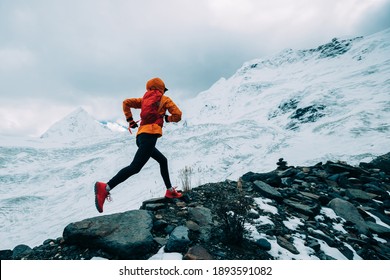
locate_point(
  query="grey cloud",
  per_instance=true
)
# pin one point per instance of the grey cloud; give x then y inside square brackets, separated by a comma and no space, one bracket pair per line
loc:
[375,20]
[72,51]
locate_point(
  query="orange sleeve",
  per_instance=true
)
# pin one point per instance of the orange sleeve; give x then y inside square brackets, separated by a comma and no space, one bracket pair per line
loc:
[173,110]
[131,103]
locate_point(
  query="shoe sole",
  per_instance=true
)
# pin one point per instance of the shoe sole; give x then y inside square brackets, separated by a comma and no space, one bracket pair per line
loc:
[96,200]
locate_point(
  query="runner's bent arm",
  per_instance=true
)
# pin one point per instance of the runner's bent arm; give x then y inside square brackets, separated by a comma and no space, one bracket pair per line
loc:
[173,110]
[131,103]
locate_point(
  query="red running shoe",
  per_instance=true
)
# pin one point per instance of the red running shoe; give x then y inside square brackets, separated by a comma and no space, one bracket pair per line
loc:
[101,194]
[173,194]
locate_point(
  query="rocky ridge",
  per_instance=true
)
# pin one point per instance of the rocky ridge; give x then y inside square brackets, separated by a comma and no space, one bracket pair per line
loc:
[292,212]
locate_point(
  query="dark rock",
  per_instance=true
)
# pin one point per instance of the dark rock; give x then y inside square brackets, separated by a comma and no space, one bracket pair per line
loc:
[270,178]
[201,215]
[309,210]
[127,234]
[305,115]
[334,177]
[161,241]
[372,188]
[263,244]
[312,243]
[360,242]
[330,241]
[381,162]
[290,172]
[383,217]
[335,48]
[380,230]
[198,253]
[382,250]
[178,240]
[359,195]
[284,243]
[349,212]
[267,190]
[21,251]
[324,200]
[344,169]
[160,225]
[310,195]
[5,254]
[282,164]
[154,206]
[348,253]
[203,218]
[159,200]
[193,226]
[169,229]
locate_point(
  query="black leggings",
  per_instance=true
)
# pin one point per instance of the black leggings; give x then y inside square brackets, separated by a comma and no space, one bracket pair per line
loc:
[146,149]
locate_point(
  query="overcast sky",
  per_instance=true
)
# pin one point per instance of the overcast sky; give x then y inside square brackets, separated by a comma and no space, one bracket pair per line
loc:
[58,55]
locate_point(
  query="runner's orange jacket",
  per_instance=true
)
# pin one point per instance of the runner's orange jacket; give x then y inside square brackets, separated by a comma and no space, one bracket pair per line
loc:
[165,104]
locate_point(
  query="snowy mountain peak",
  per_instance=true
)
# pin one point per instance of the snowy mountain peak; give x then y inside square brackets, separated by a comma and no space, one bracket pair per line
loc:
[357,47]
[77,125]
[334,98]
[323,81]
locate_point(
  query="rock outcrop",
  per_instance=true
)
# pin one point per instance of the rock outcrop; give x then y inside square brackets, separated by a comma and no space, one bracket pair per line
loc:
[127,235]
[327,211]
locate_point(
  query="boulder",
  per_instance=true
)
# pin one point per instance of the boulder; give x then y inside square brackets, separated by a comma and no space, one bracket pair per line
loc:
[21,251]
[267,190]
[382,162]
[359,195]
[197,253]
[309,210]
[178,240]
[201,215]
[379,229]
[127,235]
[263,244]
[284,243]
[271,178]
[349,212]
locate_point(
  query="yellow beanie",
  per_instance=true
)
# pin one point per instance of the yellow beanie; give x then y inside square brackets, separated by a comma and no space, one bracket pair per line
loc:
[157,83]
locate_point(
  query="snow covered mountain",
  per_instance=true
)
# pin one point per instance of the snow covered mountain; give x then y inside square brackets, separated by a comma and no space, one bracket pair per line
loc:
[76,126]
[331,102]
[335,99]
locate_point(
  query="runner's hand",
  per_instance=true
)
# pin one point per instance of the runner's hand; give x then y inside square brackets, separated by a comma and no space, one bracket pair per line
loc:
[133,124]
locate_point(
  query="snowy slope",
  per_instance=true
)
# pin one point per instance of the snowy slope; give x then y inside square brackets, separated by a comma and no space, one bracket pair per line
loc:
[330,102]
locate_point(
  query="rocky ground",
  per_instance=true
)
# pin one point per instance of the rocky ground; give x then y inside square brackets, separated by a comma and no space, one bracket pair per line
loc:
[327,211]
